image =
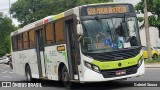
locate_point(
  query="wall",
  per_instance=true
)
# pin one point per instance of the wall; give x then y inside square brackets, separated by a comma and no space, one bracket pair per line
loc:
[154,37]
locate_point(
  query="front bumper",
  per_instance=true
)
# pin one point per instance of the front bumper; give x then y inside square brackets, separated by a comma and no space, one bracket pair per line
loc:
[92,76]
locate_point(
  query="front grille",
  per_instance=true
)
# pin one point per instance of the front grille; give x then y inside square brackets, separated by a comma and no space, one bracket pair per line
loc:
[112,73]
[115,55]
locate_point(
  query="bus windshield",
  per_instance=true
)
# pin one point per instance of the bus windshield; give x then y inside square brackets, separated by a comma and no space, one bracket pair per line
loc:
[109,34]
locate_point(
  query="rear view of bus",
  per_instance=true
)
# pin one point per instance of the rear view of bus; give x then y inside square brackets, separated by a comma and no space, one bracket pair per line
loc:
[110,42]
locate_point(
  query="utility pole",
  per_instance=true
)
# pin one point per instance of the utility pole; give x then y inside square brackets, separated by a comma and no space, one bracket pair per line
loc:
[9,7]
[147,31]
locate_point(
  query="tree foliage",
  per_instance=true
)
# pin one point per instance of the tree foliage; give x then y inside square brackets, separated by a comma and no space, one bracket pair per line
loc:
[153,6]
[27,11]
[6,27]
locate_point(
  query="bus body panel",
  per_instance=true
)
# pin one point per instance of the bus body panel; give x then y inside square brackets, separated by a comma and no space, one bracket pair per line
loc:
[88,75]
[21,58]
[53,58]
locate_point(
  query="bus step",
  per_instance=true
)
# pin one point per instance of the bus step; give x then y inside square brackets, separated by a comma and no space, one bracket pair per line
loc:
[44,78]
[75,81]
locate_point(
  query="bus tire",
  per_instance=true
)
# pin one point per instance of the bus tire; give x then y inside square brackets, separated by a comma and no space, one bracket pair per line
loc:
[66,78]
[28,73]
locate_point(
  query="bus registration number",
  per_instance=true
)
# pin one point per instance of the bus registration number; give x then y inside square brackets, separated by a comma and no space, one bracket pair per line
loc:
[120,72]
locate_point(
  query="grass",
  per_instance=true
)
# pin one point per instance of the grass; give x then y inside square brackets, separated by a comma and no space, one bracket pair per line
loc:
[152,61]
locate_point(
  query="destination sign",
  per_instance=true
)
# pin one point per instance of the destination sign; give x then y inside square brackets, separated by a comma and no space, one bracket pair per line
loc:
[105,9]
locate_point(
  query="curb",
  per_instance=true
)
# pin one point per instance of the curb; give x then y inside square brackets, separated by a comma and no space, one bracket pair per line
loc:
[152,65]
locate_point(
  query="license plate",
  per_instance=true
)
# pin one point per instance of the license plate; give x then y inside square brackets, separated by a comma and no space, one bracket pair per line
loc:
[120,72]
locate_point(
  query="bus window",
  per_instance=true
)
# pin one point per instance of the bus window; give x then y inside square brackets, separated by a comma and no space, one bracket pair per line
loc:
[14,43]
[59,32]
[19,41]
[25,40]
[31,39]
[49,34]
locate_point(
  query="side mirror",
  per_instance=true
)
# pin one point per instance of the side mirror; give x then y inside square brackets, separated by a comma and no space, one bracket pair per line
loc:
[133,41]
[87,40]
[79,29]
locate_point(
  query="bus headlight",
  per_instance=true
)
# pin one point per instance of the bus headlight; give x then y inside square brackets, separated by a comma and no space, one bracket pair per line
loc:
[88,65]
[91,66]
[95,68]
[140,61]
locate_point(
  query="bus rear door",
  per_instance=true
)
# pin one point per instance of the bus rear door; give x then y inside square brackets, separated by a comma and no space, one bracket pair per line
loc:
[40,52]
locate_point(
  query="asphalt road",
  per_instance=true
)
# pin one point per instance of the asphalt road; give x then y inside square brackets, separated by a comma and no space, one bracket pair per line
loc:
[152,74]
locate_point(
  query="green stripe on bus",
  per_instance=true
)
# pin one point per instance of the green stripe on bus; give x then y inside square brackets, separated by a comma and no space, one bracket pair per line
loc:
[46,59]
[64,54]
[114,64]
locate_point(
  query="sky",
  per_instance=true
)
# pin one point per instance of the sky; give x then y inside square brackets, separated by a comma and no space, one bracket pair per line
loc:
[4,6]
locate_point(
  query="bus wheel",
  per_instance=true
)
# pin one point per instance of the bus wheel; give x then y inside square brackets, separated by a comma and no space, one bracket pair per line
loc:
[28,73]
[65,77]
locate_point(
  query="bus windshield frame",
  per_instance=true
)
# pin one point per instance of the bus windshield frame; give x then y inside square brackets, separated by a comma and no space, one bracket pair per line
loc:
[118,30]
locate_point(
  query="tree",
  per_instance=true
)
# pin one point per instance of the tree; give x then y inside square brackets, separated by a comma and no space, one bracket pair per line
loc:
[27,11]
[6,27]
[153,7]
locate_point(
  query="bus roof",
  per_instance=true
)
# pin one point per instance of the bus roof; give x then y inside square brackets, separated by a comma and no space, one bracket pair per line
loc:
[55,17]
[45,20]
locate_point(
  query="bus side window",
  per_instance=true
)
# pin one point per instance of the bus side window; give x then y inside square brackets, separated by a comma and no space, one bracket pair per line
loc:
[25,40]
[59,32]
[31,39]
[14,43]
[49,34]
[20,43]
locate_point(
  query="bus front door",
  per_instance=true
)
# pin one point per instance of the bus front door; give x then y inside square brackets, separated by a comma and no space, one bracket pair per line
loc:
[40,53]
[72,49]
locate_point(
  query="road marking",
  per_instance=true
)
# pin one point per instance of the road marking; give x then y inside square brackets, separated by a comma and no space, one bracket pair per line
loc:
[7,77]
[4,72]
[7,72]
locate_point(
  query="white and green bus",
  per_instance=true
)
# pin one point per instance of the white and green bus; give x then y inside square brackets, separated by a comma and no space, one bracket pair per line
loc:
[89,43]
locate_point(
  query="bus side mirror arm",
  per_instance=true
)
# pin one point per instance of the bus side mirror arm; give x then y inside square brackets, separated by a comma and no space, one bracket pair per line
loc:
[79,29]
[79,32]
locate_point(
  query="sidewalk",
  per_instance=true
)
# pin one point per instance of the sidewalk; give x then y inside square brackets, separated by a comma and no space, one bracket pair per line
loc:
[152,65]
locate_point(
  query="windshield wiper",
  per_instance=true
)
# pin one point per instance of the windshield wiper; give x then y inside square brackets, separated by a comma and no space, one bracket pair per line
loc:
[99,20]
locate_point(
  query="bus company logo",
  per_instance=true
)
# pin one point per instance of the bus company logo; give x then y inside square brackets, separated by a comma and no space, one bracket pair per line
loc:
[6,84]
[119,64]
[118,58]
[20,84]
